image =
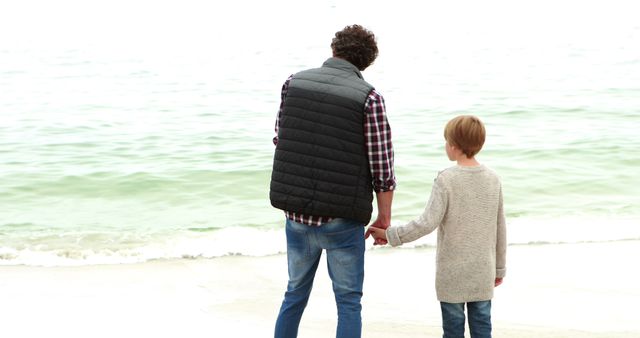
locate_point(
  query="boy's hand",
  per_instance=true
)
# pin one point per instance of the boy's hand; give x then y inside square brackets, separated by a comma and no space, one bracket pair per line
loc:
[380,235]
[380,223]
[498,281]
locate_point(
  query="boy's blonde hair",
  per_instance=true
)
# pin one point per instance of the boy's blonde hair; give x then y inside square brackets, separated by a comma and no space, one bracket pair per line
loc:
[467,133]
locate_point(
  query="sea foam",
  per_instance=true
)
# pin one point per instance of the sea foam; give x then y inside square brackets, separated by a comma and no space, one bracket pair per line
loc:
[127,248]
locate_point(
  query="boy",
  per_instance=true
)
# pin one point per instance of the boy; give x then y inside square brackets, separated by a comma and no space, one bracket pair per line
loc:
[466,208]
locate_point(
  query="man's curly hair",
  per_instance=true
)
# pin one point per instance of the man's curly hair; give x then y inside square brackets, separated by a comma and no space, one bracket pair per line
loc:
[355,44]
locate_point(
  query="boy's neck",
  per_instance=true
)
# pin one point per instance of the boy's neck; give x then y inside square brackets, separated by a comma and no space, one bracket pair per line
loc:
[465,161]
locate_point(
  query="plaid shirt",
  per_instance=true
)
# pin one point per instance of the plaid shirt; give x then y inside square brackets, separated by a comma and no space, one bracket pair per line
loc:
[377,134]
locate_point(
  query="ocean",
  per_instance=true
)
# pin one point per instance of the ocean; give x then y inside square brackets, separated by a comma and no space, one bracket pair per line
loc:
[139,132]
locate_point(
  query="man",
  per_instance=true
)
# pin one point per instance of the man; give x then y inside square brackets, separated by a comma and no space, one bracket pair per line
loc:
[333,150]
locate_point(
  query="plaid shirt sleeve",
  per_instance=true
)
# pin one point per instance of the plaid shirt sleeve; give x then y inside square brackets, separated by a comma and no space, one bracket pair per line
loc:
[283,94]
[378,141]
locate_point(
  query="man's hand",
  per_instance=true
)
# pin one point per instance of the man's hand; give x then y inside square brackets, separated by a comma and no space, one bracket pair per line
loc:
[383,221]
[498,280]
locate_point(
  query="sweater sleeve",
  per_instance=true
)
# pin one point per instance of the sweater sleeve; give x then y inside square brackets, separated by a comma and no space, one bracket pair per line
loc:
[426,223]
[501,241]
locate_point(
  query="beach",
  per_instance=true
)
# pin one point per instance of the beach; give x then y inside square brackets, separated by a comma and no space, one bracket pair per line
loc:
[551,290]
[136,161]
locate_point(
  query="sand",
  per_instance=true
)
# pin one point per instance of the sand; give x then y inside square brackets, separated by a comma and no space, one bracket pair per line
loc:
[564,290]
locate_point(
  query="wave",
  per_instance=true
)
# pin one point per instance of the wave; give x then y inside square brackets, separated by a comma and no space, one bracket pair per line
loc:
[91,248]
[117,185]
[126,247]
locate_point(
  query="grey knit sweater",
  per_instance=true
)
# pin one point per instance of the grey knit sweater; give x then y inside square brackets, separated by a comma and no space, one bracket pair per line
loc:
[466,208]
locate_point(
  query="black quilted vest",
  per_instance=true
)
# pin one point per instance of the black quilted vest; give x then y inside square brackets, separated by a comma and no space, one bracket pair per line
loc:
[320,165]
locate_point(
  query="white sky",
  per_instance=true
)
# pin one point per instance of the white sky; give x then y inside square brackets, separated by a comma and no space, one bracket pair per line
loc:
[43,23]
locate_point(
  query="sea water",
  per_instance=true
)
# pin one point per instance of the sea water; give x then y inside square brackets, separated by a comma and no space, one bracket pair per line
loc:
[135,132]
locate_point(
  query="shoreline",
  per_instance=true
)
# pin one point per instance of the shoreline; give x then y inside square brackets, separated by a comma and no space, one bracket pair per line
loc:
[550,290]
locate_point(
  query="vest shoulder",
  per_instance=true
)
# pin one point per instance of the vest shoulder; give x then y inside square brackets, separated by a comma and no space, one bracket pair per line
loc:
[333,75]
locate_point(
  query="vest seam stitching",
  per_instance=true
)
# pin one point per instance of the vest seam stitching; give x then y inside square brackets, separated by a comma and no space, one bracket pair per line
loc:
[320,180]
[301,153]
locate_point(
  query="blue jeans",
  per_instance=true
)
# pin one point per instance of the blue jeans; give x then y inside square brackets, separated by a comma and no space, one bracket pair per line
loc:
[343,240]
[479,319]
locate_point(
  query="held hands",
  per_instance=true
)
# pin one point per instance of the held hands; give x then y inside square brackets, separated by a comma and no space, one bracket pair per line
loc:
[379,235]
[377,229]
